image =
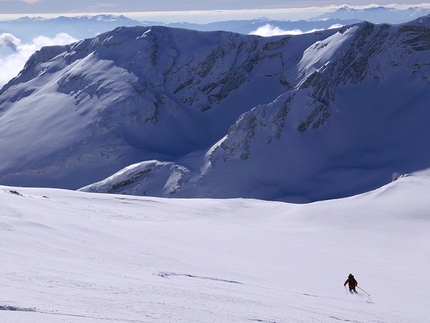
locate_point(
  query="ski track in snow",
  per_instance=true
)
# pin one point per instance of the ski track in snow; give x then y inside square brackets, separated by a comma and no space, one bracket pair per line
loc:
[167,274]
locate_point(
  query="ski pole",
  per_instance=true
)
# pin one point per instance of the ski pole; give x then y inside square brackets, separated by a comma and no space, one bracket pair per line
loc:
[364,291]
[346,291]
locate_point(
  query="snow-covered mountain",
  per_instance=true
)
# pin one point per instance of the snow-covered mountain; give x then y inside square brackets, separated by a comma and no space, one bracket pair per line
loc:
[130,95]
[377,14]
[82,27]
[251,26]
[217,114]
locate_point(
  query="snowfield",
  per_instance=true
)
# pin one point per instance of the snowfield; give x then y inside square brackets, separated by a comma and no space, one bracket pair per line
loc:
[81,257]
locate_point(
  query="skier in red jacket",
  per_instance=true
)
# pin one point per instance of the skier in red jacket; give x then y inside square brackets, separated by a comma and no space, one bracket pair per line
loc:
[352,283]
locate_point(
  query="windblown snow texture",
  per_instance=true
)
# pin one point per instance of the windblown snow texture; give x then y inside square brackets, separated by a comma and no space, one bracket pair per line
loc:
[182,113]
[77,257]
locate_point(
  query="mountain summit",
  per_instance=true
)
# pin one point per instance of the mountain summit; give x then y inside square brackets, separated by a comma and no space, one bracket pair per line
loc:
[174,112]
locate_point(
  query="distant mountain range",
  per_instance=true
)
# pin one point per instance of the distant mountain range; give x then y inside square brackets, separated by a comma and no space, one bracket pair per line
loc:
[174,112]
[90,26]
[376,14]
[79,27]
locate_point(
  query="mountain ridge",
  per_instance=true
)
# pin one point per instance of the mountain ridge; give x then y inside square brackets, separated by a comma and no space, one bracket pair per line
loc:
[376,14]
[298,102]
[105,80]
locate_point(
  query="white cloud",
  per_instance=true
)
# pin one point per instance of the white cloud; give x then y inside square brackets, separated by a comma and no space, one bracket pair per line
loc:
[9,40]
[269,30]
[335,26]
[12,64]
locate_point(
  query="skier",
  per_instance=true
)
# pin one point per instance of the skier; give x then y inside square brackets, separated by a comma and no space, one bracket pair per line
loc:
[352,283]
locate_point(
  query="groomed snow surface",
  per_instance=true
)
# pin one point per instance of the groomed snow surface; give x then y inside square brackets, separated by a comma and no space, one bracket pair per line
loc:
[85,258]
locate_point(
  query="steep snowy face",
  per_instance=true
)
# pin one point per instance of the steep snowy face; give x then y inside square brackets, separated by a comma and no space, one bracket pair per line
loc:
[78,113]
[355,118]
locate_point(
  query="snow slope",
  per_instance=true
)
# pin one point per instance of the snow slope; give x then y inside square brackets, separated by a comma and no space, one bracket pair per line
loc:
[79,257]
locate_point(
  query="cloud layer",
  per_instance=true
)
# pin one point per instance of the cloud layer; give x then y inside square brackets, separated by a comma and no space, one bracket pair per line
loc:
[12,64]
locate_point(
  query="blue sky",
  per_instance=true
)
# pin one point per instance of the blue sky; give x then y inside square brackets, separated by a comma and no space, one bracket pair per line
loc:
[97,6]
